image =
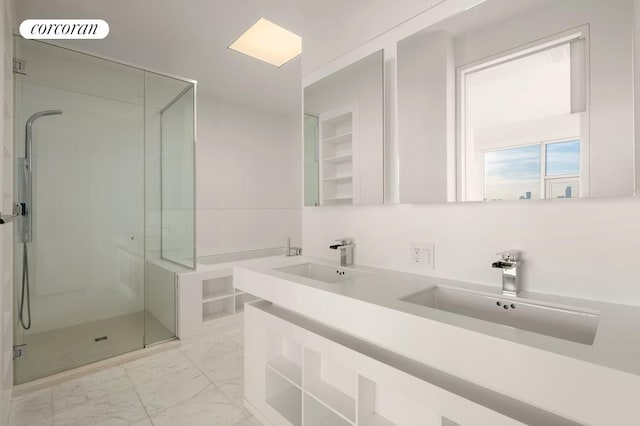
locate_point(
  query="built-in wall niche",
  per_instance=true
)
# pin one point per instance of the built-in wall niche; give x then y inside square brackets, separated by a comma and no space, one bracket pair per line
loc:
[344,136]
[518,101]
[339,156]
[219,297]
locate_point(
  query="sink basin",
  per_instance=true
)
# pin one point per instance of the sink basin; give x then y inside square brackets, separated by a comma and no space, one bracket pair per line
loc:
[565,323]
[324,273]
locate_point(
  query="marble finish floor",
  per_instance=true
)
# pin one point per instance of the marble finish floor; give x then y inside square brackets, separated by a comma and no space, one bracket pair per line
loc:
[199,383]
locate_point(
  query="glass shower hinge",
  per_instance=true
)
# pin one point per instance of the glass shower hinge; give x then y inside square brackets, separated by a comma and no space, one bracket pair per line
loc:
[19,351]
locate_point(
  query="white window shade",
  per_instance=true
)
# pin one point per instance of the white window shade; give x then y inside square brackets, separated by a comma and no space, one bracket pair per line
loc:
[522,90]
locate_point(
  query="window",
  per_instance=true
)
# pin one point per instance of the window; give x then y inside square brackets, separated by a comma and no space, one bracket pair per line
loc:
[544,170]
[521,120]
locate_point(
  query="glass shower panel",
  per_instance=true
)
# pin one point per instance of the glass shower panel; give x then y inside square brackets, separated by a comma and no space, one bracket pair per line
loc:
[86,258]
[170,232]
[177,139]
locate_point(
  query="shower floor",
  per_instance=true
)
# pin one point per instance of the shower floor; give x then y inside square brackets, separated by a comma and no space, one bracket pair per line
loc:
[59,350]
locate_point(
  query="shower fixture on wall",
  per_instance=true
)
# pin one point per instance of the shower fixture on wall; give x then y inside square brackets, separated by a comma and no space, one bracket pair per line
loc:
[24,209]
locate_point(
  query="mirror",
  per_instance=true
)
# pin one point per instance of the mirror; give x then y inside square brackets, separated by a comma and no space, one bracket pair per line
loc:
[344,136]
[527,99]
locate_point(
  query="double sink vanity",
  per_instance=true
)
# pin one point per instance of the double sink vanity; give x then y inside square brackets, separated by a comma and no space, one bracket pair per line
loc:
[528,102]
[390,347]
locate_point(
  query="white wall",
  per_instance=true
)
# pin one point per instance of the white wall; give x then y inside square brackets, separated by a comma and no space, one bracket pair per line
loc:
[334,27]
[248,168]
[582,248]
[7,21]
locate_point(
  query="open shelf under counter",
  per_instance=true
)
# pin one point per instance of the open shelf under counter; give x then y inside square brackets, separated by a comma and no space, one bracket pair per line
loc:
[283,397]
[219,295]
[317,414]
[218,308]
[287,369]
[331,383]
[334,398]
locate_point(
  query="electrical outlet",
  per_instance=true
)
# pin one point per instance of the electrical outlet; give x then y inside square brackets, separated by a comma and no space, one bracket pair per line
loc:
[422,255]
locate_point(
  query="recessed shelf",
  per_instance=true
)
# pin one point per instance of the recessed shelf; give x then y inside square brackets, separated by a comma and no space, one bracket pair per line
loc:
[317,414]
[338,198]
[339,138]
[339,158]
[330,383]
[287,369]
[334,398]
[284,398]
[214,287]
[339,179]
[216,296]
[217,308]
[339,182]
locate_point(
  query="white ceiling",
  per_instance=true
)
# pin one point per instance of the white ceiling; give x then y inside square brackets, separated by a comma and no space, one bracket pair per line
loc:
[189,39]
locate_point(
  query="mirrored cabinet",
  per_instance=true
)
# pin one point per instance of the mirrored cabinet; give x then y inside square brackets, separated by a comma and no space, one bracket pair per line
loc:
[343,136]
[518,101]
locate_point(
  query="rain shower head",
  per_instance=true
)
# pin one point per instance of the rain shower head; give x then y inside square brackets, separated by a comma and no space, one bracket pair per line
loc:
[29,125]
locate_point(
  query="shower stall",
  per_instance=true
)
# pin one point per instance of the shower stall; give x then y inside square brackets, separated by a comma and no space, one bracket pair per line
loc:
[105,190]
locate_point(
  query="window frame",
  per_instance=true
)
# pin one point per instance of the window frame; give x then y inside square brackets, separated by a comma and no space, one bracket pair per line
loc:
[545,179]
[546,43]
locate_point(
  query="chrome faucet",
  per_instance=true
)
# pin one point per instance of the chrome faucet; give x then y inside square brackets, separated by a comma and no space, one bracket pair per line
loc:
[346,251]
[292,251]
[510,264]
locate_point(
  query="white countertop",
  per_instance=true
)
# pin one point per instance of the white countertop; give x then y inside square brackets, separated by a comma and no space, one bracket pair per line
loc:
[616,345]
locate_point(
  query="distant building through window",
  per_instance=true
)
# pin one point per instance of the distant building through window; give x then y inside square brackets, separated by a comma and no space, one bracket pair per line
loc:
[520,172]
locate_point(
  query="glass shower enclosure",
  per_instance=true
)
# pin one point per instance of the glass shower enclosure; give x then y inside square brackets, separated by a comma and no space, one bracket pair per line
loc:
[107,187]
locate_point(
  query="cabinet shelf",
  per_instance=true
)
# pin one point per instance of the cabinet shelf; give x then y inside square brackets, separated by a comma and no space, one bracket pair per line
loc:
[338,198]
[334,398]
[339,138]
[287,369]
[339,155]
[339,179]
[288,404]
[339,159]
[284,398]
[317,413]
[217,295]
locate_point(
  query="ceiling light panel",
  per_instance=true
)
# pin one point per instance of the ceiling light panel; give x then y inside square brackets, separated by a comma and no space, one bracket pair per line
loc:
[269,43]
